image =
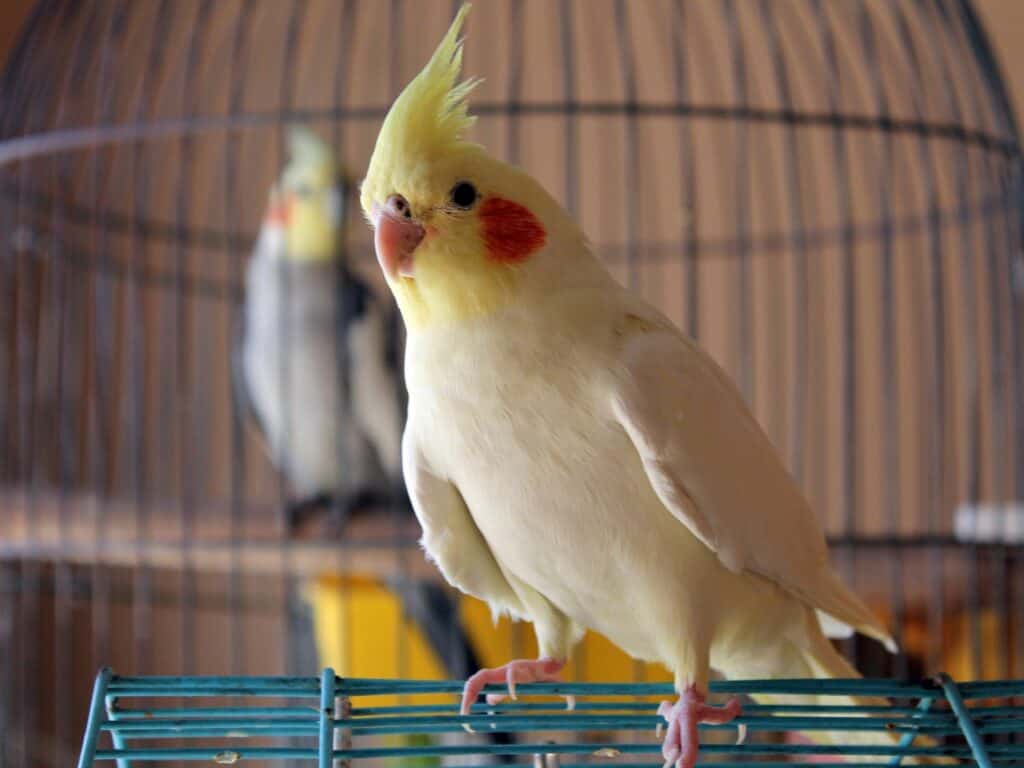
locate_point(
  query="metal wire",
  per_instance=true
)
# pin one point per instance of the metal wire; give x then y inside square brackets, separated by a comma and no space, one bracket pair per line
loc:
[620,710]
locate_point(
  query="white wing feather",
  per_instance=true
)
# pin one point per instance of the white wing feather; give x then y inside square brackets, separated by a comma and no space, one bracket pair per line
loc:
[717,472]
[451,537]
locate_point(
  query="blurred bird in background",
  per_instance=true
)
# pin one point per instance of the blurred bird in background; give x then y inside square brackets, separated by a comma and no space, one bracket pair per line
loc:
[313,359]
[315,367]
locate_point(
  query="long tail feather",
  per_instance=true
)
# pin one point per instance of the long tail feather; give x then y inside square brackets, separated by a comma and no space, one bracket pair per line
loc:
[824,662]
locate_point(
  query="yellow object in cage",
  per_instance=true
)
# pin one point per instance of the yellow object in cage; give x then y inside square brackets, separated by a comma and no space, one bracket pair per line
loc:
[358,628]
[994,652]
[359,631]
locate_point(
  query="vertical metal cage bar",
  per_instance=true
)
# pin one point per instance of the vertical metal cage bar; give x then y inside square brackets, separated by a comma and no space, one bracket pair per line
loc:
[397,515]
[627,67]
[8,620]
[887,346]
[343,74]
[573,170]
[567,38]
[63,648]
[116,737]
[140,387]
[746,343]
[517,52]
[935,15]
[514,88]
[849,497]
[325,750]
[963,716]
[1009,177]
[15,119]
[989,169]
[21,577]
[688,174]
[939,343]
[289,583]
[68,368]
[96,712]
[907,739]
[1008,245]
[181,308]
[931,486]
[108,332]
[986,61]
[237,490]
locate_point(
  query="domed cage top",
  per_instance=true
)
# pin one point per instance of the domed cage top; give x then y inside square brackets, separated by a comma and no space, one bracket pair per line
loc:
[826,195]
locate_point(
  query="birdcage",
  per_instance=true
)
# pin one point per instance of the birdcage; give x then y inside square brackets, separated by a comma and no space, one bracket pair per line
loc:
[827,195]
[349,725]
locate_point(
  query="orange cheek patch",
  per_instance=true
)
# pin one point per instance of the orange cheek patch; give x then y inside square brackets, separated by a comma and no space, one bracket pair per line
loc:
[511,233]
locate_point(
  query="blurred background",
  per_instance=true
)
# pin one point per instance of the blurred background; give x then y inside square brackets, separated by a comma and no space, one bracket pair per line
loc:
[827,195]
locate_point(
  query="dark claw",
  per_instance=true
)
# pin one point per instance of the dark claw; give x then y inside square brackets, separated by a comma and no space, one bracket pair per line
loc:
[337,512]
[300,513]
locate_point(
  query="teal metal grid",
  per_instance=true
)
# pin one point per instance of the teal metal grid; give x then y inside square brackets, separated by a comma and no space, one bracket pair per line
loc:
[977,723]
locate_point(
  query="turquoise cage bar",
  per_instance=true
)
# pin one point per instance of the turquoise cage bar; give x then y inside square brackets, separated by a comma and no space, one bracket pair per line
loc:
[613,724]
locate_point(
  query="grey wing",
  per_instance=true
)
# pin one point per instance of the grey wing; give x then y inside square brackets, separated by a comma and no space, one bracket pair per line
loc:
[244,405]
[374,384]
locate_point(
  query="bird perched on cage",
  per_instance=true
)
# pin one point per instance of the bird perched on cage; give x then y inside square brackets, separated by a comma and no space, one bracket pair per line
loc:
[572,457]
[312,356]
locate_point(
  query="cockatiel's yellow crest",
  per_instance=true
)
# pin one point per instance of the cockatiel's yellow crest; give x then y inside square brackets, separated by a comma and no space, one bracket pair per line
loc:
[429,118]
[458,232]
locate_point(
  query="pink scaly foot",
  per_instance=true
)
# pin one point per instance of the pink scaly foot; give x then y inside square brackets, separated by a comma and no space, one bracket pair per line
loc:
[680,745]
[519,671]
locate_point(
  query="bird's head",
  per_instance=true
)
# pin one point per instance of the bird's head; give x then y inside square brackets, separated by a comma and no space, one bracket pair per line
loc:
[307,201]
[458,233]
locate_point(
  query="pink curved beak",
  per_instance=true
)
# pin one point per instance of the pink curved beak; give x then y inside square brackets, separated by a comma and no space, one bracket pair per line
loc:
[395,238]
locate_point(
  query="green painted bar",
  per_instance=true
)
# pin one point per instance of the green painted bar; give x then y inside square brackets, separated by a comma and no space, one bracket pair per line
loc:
[618,707]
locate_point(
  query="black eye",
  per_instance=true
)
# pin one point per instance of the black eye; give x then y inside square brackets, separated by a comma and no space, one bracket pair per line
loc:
[463,195]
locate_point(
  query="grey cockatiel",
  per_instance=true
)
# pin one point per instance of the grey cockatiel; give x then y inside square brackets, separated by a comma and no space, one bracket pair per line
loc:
[313,355]
[312,362]
[573,458]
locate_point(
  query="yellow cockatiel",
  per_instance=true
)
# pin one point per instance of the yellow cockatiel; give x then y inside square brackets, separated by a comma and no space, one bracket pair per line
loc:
[573,458]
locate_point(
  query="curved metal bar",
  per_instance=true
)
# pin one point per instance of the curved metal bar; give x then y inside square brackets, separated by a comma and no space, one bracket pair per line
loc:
[741,200]
[237,446]
[326,725]
[932,487]
[963,716]
[627,66]
[688,176]
[888,363]
[116,734]
[139,383]
[176,327]
[571,131]
[849,497]
[96,711]
[73,139]
[933,14]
